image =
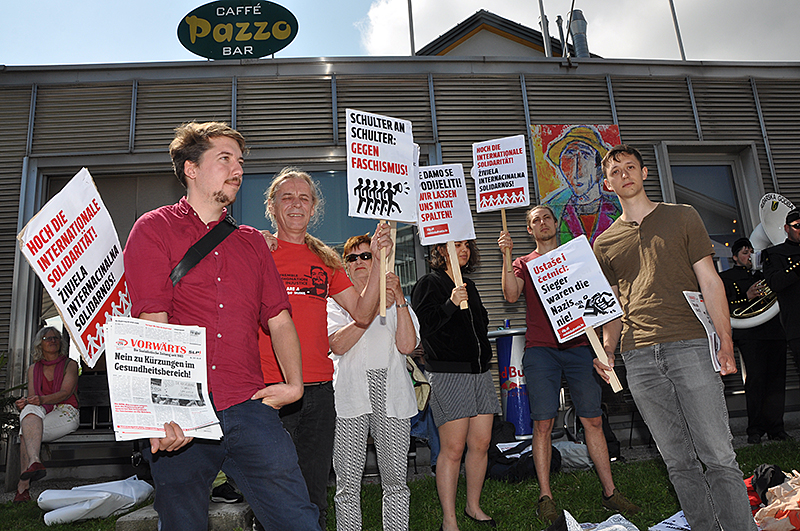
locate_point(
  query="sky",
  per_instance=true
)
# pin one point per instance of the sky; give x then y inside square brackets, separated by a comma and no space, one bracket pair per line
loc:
[45,32]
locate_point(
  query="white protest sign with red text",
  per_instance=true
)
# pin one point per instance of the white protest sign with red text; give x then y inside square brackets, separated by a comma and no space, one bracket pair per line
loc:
[380,167]
[73,246]
[573,290]
[444,213]
[500,171]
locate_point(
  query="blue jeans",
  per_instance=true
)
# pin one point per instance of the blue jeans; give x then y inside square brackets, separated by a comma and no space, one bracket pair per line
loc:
[256,452]
[423,427]
[311,422]
[682,401]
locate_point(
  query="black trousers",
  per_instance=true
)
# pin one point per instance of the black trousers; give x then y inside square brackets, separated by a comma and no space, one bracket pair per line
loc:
[765,388]
[794,344]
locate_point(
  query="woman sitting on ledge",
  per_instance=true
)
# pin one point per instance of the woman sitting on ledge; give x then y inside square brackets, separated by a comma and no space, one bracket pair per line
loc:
[50,410]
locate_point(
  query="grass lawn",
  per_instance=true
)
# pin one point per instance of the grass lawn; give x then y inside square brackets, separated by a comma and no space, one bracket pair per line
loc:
[513,505]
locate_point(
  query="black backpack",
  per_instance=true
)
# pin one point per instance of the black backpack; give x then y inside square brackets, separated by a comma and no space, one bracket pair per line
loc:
[502,466]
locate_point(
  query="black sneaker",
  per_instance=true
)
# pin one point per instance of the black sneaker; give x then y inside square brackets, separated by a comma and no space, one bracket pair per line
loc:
[225,493]
[779,436]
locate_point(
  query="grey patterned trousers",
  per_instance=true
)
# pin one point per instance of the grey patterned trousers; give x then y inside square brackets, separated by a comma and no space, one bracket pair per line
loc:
[391,436]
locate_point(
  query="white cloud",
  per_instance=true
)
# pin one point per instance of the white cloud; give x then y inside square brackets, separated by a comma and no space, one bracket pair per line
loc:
[385,29]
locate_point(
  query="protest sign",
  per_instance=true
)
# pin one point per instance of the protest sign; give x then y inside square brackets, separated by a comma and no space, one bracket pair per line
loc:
[501,179]
[444,212]
[575,294]
[380,167]
[500,170]
[381,173]
[72,245]
[157,374]
[573,290]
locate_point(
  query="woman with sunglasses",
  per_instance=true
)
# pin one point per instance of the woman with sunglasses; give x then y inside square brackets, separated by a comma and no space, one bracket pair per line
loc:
[50,410]
[463,399]
[373,394]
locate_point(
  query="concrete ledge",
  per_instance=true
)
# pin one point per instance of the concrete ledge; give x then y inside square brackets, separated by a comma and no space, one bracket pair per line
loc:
[221,517]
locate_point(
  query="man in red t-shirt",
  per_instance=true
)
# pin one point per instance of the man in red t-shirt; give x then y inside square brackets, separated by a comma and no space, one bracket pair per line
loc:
[312,272]
[544,362]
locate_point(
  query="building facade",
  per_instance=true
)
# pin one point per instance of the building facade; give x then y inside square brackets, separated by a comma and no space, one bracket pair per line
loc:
[691,120]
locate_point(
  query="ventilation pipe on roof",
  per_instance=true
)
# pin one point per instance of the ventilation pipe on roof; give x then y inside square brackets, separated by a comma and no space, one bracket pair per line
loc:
[560,24]
[578,29]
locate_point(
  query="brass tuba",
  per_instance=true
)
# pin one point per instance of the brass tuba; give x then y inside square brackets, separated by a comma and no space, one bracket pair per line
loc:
[755,307]
[772,210]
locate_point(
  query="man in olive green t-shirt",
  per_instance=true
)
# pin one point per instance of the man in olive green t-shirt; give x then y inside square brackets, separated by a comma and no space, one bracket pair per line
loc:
[650,255]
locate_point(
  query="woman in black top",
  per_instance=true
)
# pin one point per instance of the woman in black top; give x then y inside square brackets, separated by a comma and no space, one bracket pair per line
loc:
[463,398]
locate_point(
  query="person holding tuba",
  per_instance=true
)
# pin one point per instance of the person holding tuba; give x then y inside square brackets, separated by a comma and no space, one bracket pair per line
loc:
[782,271]
[763,347]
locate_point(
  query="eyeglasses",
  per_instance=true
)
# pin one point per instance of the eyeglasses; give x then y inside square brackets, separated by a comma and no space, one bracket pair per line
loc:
[353,257]
[51,338]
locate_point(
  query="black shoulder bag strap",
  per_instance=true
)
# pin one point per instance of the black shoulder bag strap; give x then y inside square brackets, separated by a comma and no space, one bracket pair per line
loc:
[204,245]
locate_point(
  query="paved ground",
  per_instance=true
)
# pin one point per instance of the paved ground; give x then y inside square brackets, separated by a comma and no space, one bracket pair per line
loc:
[637,453]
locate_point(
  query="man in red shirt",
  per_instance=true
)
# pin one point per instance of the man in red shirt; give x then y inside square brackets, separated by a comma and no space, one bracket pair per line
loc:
[544,362]
[232,291]
[312,272]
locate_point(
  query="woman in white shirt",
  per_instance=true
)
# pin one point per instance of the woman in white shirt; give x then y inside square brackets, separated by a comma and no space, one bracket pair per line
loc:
[373,393]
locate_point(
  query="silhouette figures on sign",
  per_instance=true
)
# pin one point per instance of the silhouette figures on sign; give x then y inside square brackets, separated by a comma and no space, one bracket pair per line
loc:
[378,197]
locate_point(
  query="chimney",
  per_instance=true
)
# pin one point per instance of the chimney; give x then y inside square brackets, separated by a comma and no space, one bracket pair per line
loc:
[560,23]
[578,29]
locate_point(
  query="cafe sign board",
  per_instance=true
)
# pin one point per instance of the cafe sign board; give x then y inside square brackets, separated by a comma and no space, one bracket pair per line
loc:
[237,29]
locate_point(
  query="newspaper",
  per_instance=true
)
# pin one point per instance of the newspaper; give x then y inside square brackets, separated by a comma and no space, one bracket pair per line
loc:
[695,300]
[157,374]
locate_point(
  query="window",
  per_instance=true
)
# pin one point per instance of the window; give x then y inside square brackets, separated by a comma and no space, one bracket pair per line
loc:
[721,181]
[712,192]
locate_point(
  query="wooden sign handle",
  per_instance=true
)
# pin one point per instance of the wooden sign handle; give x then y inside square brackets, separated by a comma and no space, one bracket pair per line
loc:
[393,227]
[507,253]
[455,270]
[383,279]
[603,357]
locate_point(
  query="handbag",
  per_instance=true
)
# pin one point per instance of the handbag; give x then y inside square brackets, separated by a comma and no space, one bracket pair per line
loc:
[422,388]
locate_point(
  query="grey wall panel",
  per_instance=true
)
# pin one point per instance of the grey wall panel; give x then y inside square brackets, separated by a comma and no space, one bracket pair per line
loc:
[652,109]
[781,108]
[82,118]
[405,97]
[14,110]
[163,106]
[568,100]
[284,111]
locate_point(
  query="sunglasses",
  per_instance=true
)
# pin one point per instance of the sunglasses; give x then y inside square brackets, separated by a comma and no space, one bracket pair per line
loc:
[353,257]
[795,226]
[51,338]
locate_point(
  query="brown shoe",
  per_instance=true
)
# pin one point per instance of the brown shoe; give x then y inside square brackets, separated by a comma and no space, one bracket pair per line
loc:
[548,510]
[619,503]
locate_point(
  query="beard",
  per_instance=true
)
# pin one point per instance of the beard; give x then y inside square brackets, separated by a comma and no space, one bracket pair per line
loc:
[223,198]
